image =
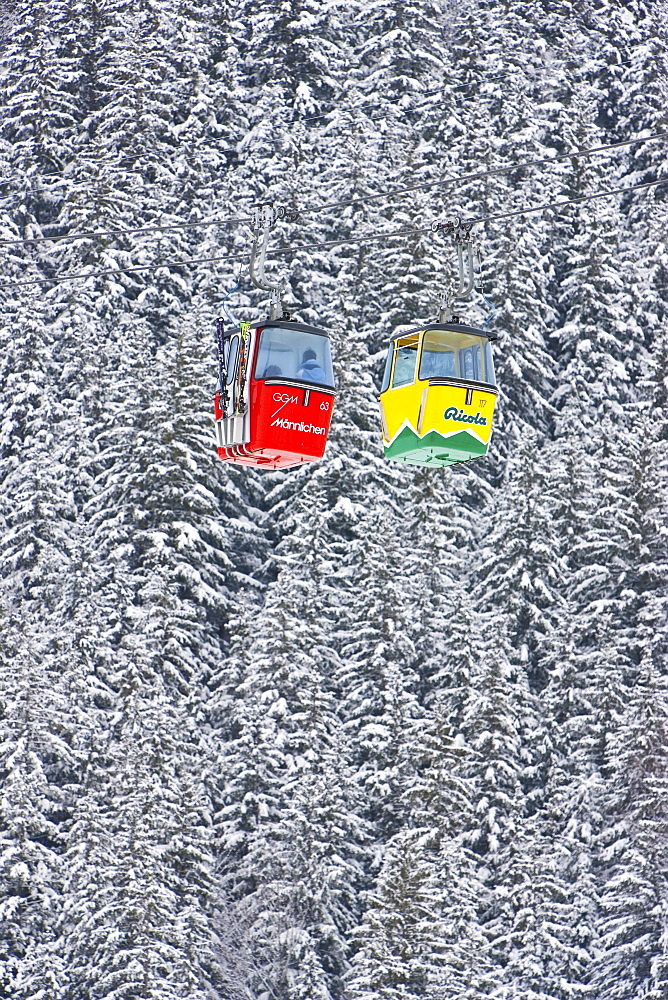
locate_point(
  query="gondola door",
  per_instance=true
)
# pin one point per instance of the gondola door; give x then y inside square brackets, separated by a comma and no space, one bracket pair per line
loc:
[232,404]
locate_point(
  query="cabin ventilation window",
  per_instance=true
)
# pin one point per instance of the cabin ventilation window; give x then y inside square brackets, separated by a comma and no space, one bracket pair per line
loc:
[405,362]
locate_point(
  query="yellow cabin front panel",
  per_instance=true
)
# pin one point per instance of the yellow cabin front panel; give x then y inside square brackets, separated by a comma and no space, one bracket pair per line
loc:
[437,422]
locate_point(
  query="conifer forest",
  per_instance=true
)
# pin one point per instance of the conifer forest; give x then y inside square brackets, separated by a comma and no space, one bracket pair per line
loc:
[360,730]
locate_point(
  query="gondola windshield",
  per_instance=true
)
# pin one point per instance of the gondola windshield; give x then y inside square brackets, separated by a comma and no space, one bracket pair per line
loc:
[446,354]
[294,355]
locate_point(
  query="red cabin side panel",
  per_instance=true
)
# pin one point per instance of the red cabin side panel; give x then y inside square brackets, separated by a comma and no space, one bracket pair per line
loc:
[289,426]
[291,418]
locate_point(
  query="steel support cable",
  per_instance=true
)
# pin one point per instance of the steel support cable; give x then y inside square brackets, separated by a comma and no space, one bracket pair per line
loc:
[480,174]
[329,244]
[477,175]
[175,227]
[95,161]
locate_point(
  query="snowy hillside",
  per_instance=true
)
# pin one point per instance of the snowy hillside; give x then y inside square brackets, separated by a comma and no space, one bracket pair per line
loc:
[360,731]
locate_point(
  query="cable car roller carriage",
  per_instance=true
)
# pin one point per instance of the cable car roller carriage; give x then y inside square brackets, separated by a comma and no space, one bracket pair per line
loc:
[275,394]
[438,393]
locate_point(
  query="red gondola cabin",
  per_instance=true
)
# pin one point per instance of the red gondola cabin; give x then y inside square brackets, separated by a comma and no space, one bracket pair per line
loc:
[275,406]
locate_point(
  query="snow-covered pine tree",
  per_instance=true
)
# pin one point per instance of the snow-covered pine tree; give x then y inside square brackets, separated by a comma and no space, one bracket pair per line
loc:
[139,885]
[521,566]
[36,762]
[495,723]
[630,845]
[633,897]
[124,115]
[289,815]
[441,815]
[84,395]
[401,940]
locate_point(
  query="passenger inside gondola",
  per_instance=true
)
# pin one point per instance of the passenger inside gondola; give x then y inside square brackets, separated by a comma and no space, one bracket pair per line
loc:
[310,370]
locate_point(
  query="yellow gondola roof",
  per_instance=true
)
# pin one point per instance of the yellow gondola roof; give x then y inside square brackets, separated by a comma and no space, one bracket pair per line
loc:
[471,331]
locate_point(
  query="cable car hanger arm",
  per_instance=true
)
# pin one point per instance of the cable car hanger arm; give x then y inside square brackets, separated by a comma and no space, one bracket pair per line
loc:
[264,217]
[461,233]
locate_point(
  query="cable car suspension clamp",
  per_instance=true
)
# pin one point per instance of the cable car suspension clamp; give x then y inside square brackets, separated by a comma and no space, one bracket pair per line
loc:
[263,218]
[461,233]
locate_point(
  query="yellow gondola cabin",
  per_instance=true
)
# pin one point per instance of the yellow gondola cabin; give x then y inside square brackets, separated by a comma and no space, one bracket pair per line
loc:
[438,395]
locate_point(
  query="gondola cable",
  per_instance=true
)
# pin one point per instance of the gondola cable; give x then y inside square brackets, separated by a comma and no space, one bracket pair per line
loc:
[281,251]
[481,174]
[477,175]
[175,227]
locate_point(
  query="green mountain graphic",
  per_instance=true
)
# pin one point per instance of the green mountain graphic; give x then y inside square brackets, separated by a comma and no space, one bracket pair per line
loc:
[434,448]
